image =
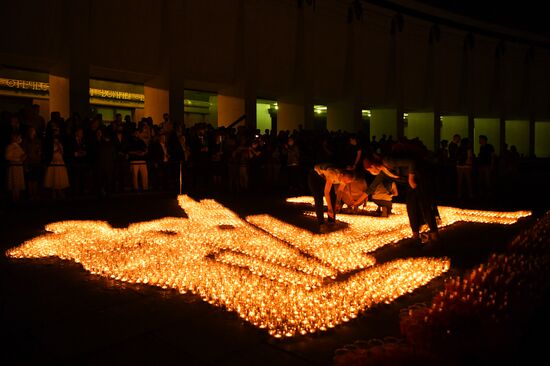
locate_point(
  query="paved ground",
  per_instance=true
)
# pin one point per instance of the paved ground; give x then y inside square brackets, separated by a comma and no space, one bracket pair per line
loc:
[53,312]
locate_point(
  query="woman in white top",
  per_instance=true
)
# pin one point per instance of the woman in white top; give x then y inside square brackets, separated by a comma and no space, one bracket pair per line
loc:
[321,181]
[56,177]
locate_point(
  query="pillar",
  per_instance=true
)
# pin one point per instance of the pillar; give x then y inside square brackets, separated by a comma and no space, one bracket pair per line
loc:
[471,128]
[302,81]
[397,25]
[344,115]
[176,105]
[348,110]
[230,109]
[173,31]
[382,122]
[290,115]
[502,128]
[435,87]
[437,129]
[468,45]
[79,69]
[59,95]
[156,103]
[250,110]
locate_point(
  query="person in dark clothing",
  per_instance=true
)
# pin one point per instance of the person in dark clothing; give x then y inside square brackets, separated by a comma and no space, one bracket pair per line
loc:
[201,151]
[121,166]
[414,171]
[138,154]
[353,153]
[321,181]
[464,165]
[486,164]
[160,158]
[106,152]
[453,148]
[77,161]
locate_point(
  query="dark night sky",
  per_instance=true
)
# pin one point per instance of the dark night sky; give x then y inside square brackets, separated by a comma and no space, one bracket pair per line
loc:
[524,15]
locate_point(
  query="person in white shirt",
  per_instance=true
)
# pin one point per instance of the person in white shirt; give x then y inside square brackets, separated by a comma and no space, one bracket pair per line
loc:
[321,181]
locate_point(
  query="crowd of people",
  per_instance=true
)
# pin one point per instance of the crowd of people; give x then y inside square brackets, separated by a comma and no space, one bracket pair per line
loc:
[79,156]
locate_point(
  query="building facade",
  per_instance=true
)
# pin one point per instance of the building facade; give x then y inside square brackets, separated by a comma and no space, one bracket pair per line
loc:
[415,71]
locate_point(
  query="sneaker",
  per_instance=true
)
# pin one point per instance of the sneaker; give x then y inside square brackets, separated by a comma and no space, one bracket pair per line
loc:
[384,212]
[323,228]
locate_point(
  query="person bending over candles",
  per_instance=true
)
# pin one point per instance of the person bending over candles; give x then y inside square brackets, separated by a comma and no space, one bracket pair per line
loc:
[420,204]
[321,181]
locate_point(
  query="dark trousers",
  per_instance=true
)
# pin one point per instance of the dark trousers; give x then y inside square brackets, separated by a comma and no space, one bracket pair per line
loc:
[295,177]
[421,207]
[383,203]
[78,174]
[316,184]
[104,179]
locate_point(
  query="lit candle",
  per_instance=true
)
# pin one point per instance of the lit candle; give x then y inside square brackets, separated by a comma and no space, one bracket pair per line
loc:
[274,275]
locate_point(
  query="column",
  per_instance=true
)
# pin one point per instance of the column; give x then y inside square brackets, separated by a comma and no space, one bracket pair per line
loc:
[396,29]
[470,82]
[230,109]
[529,101]
[79,69]
[437,129]
[501,93]
[250,110]
[176,106]
[290,115]
[471,127]
[434,83]
[239,99]
[157,102]
[174,32]
[344,115]
[502,128]
[296,107]
[59,95]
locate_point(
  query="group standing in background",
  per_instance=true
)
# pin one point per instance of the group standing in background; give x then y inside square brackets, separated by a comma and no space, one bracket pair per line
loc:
[77,156]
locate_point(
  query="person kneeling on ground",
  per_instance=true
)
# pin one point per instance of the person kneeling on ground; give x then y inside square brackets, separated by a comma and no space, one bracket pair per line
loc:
[354,194]
[383,195]
[351,194]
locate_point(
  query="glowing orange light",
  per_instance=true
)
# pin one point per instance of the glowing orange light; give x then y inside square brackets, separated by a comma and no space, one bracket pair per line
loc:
[280,280]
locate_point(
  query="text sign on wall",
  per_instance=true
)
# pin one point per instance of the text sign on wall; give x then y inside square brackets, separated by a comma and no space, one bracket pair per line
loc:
[24,84]
[94,92]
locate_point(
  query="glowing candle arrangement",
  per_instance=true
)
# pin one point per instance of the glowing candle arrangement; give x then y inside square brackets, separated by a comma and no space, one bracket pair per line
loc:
[477,312]
[279,280]
[343,249]
[449,215]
